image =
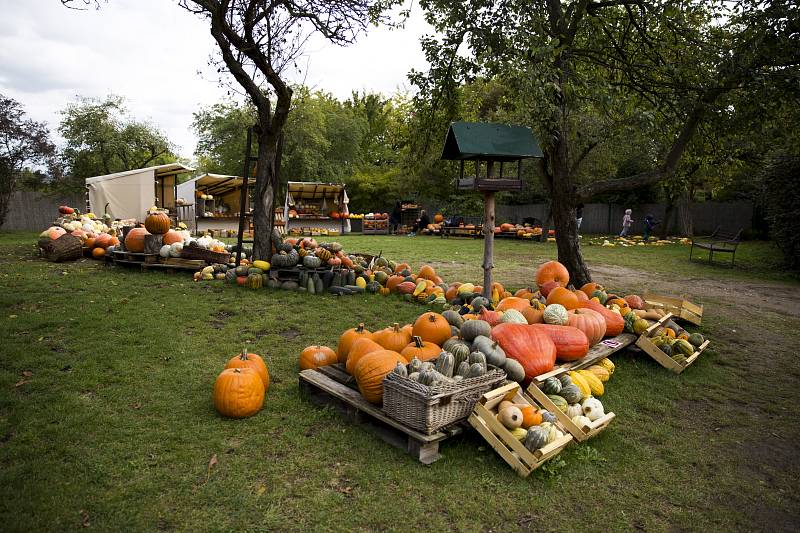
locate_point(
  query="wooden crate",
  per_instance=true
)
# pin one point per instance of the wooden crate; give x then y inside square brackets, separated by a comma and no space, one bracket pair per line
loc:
[332,386]
[646,344]
[679,307]
[581,433]
[484,420]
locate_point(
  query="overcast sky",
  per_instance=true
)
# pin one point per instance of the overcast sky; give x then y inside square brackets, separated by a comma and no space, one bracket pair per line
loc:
[150,52]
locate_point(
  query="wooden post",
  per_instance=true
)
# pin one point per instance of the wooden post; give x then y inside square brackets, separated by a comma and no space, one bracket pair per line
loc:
[488,234]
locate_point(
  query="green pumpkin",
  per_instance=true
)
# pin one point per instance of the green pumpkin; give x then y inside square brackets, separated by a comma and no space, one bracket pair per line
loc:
[571,393]
[666,348]
[696,340]
[381,277]
[445,364]
[241,270]
[600,295]
[477,357]
[400,370]
[255,281]
[475,370]
[536,438]
[254,270]
[565,379]
[479,302]
[551,385]
[230,276]
[312,261]
[495,355]
[514,370]
[474,328]
[462,369]
[683,347]
[273,284]
[459,350]
[289,285]
[559,401]
[415,365]
[453,318]
[373,286]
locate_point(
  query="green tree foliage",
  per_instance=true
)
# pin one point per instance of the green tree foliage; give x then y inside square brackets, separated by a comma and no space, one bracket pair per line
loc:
[221,131]
[781,200]
[102,138]
[23,143]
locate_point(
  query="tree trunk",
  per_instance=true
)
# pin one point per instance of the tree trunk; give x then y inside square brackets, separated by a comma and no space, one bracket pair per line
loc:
[685,214]
[264,194]
[5,199]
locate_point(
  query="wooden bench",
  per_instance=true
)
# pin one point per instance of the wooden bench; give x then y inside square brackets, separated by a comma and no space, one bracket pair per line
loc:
[719,241]
[458,227]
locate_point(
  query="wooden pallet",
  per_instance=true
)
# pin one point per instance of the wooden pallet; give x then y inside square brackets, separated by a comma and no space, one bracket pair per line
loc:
[484,420]
[125,257]
[646,344]
[581,433]
[680,308]
[597,352]
[333,386]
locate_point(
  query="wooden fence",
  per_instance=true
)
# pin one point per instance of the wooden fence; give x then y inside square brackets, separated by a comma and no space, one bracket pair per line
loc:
[33,211]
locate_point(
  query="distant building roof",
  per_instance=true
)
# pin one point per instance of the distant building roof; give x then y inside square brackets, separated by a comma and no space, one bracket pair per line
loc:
[160,170]
[486,140]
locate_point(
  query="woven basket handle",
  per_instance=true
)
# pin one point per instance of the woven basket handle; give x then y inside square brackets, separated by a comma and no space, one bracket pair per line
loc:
[467,396]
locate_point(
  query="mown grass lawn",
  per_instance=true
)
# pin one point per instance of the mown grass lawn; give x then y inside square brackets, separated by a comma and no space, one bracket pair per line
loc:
[106,418]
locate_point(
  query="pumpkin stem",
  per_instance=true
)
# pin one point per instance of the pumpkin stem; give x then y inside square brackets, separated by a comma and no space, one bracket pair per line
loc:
[243,357]
[396,327]
[418,341]
[432,317]
[360,328]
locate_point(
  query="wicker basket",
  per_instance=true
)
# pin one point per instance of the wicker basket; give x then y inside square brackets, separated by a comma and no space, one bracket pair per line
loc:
[428,409]
[195,252]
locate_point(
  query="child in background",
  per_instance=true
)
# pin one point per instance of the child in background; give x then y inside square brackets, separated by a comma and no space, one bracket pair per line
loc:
[627,220]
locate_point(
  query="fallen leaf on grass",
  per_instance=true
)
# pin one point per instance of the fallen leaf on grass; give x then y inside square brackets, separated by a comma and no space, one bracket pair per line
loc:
[261,490]
[20,383]
[347,491]
[211,464]
[12,316]
[84,518]
[27,373]
[136,405]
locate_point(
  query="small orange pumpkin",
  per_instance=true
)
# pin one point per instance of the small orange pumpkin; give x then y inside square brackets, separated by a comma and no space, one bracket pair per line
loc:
[392,338]
[563,296]
[317,356]
[157,222]
[348,338]
[238,393]
[422,350]
[432,327]
[252,361]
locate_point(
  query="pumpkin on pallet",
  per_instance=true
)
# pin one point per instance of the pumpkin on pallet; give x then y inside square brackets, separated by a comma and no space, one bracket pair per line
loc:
[313,357]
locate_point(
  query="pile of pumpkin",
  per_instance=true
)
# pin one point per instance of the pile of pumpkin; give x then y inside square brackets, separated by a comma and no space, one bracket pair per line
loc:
[523,231]
[523,334]
[240,388]
[576,393]
[96,235]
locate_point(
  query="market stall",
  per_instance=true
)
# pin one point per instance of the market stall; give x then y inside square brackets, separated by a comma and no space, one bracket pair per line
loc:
[316,209]
[212,203]
[129,194]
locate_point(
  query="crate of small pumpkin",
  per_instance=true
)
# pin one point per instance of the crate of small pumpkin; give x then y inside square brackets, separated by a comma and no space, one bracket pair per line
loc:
[521,431]
[670,345]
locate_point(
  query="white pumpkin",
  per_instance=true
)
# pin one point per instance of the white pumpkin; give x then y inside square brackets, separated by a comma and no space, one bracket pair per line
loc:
[513,316]
[555,314]
[581,421]
[574,410]
[165,250]
[592,408]
[175,249]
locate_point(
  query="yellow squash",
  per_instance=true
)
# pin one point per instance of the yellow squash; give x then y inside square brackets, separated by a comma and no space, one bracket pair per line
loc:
[581,383]
[594,383]
[607,364]
[601,373]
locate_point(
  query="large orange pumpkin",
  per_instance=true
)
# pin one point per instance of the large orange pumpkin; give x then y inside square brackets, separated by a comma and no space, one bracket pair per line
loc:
[253,361]
[360,348]
[370,371]
[238,393]
[432,327]
[392,338]
[513,302]
[157,223]
[590,322]
[438,218]
[531,348]
[348,338]
[317,356]
[171,237]
[571,343]
[134,240]
[552,271]
[562,296]
[393,282]
[422,350]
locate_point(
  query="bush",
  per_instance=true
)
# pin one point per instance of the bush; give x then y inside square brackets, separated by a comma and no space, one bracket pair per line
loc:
[781,176]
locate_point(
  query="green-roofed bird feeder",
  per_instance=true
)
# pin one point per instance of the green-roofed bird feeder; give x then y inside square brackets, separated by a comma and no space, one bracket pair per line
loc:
[489,143]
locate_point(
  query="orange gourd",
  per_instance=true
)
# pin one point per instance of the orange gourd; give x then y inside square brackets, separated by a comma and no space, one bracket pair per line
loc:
[427,272]
[392,338]
[432,327]
[393,282]
[348,338]
[360,348]
[530,416]
[533,315]
[563,296]
[552,271]
[571,343]
[252,361]
[370,371]
[422,350]
[99,253]
[238,393]
[531,348]
[317,356]
[513,302]
[589,288]
[102,241]
[492,317]
[590,322]
[402,266]
[134,240]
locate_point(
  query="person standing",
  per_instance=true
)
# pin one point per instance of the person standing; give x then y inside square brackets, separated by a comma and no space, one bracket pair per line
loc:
[627,220]
[579,215]
[394,218]
[422,222]
[649,225]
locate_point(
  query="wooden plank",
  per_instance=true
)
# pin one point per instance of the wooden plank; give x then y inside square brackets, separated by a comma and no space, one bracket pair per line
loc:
[356,400]
[498,446]
[535,395]
[683,309]
[596,353]
[184,262]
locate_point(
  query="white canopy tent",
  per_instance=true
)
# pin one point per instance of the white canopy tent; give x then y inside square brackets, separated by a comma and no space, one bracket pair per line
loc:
[219,212]
[131,193]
